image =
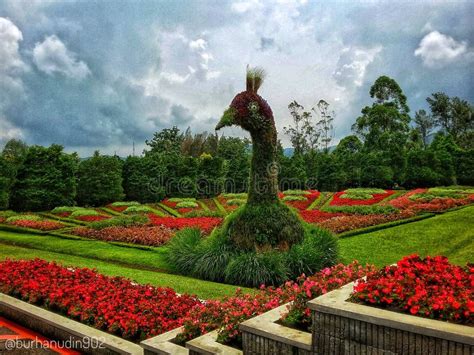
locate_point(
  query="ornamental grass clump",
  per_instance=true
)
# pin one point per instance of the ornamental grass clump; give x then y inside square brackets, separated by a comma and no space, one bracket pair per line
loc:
[235,202]
[294,198]
[23,217]
[138,209]
[84,212]
[296,192]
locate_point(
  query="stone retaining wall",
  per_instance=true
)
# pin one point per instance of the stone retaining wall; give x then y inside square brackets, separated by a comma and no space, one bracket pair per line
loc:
[57,327]
[341,327]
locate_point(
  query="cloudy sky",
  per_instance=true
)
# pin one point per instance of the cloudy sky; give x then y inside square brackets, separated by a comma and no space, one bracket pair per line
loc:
[103,74]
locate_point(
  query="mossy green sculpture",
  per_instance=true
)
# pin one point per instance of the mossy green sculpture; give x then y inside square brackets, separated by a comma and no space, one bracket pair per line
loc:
[263,223]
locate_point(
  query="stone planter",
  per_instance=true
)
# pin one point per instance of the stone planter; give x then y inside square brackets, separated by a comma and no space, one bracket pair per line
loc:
[341,327]
[56,327]
[206,344]
[262,335]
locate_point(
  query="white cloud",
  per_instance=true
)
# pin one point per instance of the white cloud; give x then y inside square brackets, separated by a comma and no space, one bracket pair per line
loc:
[437,50]
[52,56]
[11,63]
[352,65]
[243,6]
[8,131]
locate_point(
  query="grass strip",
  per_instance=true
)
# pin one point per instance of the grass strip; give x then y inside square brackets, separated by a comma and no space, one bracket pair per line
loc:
[450,234]
[219,206]
[170,210]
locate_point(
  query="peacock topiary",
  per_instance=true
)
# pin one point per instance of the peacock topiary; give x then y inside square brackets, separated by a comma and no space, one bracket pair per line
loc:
[263,222]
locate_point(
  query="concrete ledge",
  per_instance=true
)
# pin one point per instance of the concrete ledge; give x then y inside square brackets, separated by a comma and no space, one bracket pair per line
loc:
[335,303]
[207,345]
[58,327]
[264,326]
[163,344]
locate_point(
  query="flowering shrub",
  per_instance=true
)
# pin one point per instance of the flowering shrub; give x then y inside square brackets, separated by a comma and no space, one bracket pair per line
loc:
[317,216]
[113,304]
[428,287]
[206,224]
[92,218]
[35,224]
[227,314]
[153,236]
[410,201]
[295,201]
[340,200]
[346,223]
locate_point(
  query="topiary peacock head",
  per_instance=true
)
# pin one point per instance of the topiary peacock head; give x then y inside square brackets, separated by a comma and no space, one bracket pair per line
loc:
[248,109]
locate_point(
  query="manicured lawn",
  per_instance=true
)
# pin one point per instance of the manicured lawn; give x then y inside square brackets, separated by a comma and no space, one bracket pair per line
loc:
[450,234]
[151,259]
[182,284]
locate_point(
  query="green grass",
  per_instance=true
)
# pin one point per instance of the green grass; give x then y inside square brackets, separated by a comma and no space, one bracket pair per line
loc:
[181,284]
[450,234]
[94,249]
[170,210]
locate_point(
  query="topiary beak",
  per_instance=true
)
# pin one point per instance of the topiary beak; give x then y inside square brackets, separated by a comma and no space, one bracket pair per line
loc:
[227,119]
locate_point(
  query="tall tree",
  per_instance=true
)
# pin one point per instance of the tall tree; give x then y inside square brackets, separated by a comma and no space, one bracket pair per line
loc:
[298,132]
[324,125]
[168,140]
[45,180]
[384,125]
[424,124]
[15,151]
[99,180]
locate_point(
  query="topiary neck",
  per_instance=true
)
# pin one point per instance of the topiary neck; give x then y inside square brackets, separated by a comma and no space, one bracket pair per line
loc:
[264,170]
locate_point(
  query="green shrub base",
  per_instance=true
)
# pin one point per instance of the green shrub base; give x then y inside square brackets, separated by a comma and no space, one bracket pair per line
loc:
[263,227]
[217,259]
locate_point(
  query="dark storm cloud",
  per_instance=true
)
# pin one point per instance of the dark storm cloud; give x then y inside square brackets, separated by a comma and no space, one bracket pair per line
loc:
[109,73]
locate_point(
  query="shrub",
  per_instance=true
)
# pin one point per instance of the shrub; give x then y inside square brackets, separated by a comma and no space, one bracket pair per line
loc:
[181,199]
[187,204]
[23,217]
[294,198]
[356,195]
[240,196]
[65,209]
[235,202]
[152,236]
[125,203]
[181,253]
[254,269]
[205,224]
[317,251]
[138,209]
[361,209]
[296,192]
[120,221]
[205,213]
[114,304]
[7,214]
[84,212]
[37,224]
[364,190]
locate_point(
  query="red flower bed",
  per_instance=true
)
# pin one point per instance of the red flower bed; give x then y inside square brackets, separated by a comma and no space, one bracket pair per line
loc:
[316,216]
[40,225]
[351,222]
[206,224]
[429,287]
[63,214]
[302,205]
[113,304]
[404,201]
[153,236]
[376,198]
[92,218]
[227,314]
[117,208]
[2,220]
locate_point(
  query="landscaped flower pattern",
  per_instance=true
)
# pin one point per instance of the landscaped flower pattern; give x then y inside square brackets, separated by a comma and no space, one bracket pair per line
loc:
[39,224]
[144,235]
[337,200]
[428,287]
[113,304]
[206,224]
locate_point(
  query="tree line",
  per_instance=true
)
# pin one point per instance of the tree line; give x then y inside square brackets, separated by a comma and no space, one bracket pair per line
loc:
[388,148]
